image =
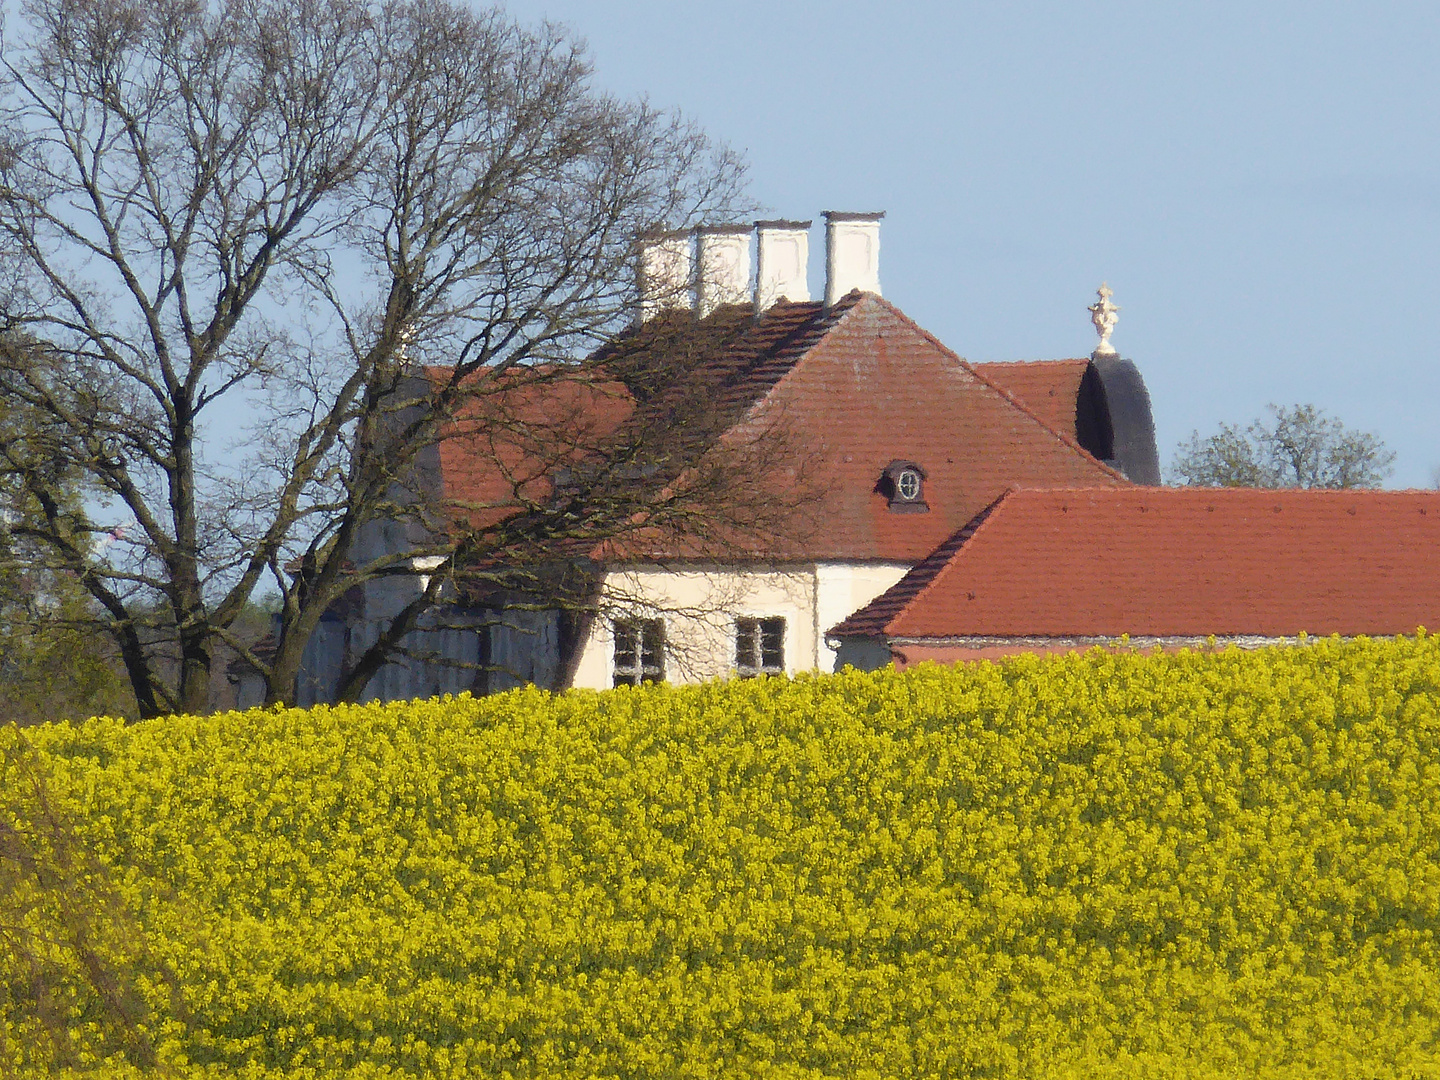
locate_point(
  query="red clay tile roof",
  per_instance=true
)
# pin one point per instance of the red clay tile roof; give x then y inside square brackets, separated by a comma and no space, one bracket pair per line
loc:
[853,388]
[746,356]
[504,448]
[1048,388]
[886,606]
[1177,562]
[876,389]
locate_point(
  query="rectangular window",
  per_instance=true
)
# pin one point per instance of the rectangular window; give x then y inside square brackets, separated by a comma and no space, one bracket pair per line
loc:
[759,647]
[639,651]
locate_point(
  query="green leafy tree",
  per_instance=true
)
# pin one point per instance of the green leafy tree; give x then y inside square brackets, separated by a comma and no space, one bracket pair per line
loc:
[1296,447]
[52,664]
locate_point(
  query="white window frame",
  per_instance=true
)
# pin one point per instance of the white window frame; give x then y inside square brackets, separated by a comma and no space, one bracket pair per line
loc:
[643,640]
[752,658]
[908,478]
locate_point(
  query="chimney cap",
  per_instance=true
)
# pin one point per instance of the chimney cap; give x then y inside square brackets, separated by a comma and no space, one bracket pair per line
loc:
[782,223]
[724,230]
[843,215]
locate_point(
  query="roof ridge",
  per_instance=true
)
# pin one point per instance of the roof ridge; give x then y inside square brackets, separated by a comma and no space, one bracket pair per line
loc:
[1005,394]
[1162,491]
[819,325]
[1351,561]
[747,340]
[1017,363]
[1068,440]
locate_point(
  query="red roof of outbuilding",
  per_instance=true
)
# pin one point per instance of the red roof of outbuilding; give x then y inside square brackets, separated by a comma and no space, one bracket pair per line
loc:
[1175,562]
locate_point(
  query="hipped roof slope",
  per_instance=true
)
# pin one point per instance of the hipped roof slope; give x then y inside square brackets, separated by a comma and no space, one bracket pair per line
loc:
[855,387]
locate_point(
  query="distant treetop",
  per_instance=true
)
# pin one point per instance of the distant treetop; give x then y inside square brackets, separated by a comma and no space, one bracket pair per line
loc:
[1296,447]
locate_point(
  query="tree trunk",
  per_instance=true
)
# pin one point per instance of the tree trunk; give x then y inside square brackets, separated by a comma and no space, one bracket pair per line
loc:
[194,673]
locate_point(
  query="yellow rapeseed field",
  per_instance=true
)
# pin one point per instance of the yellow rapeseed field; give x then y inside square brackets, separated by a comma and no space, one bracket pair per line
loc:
[1111,865]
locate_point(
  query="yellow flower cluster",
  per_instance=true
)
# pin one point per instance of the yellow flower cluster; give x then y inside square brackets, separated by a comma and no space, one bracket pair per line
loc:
[1109,865]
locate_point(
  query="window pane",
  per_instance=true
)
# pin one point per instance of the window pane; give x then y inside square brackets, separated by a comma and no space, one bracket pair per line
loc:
[909,485]
[625,645]
[639,651]
[653,641]
[746,645]
[772,644]
[653,658]
[759,647]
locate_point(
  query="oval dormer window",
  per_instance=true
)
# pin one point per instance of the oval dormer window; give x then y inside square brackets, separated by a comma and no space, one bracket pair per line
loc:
[904,485]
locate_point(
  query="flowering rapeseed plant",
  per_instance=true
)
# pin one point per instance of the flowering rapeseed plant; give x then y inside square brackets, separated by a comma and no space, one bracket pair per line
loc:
[1194,865]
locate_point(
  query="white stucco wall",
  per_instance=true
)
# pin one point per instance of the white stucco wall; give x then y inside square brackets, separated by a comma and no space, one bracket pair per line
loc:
[843,589]
[699,607]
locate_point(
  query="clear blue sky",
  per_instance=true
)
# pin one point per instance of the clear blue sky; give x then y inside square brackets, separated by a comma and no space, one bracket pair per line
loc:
[1259,182]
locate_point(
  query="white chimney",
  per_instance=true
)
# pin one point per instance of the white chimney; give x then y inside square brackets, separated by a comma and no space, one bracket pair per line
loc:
[722,266]
[782,257]
[664,273]
[852,254]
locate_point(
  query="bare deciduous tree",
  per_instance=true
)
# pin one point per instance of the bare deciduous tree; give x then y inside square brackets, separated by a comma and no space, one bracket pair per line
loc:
[355,223]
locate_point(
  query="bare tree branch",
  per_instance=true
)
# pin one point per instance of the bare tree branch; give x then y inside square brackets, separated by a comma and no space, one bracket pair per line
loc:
[349,220]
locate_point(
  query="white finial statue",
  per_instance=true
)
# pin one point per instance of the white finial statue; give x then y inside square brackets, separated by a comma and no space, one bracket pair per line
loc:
[1104,315]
